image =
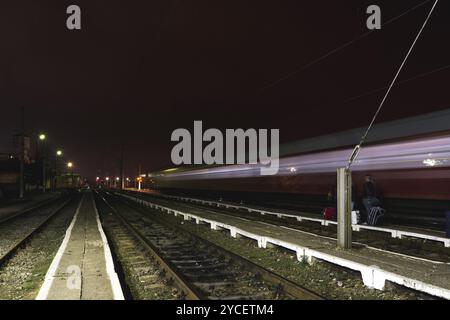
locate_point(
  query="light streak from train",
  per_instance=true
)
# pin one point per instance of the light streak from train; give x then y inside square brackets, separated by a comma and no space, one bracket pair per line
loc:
[413,154]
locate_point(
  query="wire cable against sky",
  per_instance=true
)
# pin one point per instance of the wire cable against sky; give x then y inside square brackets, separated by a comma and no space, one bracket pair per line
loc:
[339,48]
[355,152]
[418,76]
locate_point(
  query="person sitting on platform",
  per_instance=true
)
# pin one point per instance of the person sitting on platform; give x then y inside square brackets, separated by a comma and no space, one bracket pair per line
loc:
[370,199]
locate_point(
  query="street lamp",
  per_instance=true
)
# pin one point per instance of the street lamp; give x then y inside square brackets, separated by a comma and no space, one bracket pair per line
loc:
[56,166]
[42,138]
[70,166]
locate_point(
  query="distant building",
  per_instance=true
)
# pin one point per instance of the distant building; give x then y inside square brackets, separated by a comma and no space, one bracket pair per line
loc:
[6,156]
[9,174]
[10,165]
[18,139]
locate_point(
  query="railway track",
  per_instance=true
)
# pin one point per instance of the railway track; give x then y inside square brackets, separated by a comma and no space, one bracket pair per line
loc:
[415,248]
[143,278]
[19,228]
[197,268]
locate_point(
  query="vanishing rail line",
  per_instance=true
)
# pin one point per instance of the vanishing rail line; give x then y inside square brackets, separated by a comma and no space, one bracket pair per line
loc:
[381,241]
[18,229]
[197,267]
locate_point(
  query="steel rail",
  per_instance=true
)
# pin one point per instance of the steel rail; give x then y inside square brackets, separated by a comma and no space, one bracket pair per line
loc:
[13,249]
[28,210]
[289,287]
[188,290]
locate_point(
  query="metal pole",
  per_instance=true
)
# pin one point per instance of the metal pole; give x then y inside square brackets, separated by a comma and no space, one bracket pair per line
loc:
[44,178]
[122,175]
[22,155]
[344,208]
[140,178]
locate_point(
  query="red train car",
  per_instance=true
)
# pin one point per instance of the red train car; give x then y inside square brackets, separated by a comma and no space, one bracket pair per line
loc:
[408,158]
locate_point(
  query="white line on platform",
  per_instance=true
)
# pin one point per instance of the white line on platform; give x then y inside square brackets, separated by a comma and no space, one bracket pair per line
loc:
[372,275]
[369,247]
[115,283]
[48,280]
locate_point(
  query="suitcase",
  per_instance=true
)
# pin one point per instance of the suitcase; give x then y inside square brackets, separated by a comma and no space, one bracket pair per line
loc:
[329,213]
[374,216]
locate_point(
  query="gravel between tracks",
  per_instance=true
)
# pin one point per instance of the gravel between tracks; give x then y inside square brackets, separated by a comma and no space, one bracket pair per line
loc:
[22,276]
[326,279]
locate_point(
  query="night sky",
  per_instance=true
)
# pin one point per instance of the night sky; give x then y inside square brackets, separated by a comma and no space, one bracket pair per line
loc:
[140,69]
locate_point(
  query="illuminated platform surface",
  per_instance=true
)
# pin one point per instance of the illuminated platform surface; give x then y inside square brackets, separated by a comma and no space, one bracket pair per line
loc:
[83,267]
[376,266]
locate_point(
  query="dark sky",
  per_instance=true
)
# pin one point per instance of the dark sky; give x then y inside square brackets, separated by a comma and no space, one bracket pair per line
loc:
[140,69]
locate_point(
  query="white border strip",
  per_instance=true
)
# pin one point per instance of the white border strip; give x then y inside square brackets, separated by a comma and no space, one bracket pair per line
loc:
[395,233]
[372,276]
[115,283]
[50,275]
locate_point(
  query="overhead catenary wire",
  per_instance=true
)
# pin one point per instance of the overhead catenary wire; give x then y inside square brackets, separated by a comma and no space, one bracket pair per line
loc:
[417,76]
[357,148]
[339,48]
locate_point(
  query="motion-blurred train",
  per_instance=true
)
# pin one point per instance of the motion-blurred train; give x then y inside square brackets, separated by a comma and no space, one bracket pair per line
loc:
[409,160]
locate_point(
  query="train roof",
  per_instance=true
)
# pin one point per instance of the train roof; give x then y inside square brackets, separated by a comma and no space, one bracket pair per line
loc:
[425,124]
[407,127]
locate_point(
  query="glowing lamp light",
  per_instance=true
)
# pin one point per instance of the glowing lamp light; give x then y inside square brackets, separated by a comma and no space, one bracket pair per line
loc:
[97,179]
[117,178]
[292,169]
[59,153]
[107,179]
[69,164]
[42,137]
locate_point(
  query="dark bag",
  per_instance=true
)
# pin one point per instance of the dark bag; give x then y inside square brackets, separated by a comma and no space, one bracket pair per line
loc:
[329,213]
[374,216]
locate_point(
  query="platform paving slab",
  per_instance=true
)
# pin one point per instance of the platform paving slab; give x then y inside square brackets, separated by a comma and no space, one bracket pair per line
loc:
[82,271]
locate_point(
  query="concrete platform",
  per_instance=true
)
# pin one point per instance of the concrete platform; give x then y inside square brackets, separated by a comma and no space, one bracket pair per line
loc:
[83,267]
[17,206]
[395,231]
[376,266]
